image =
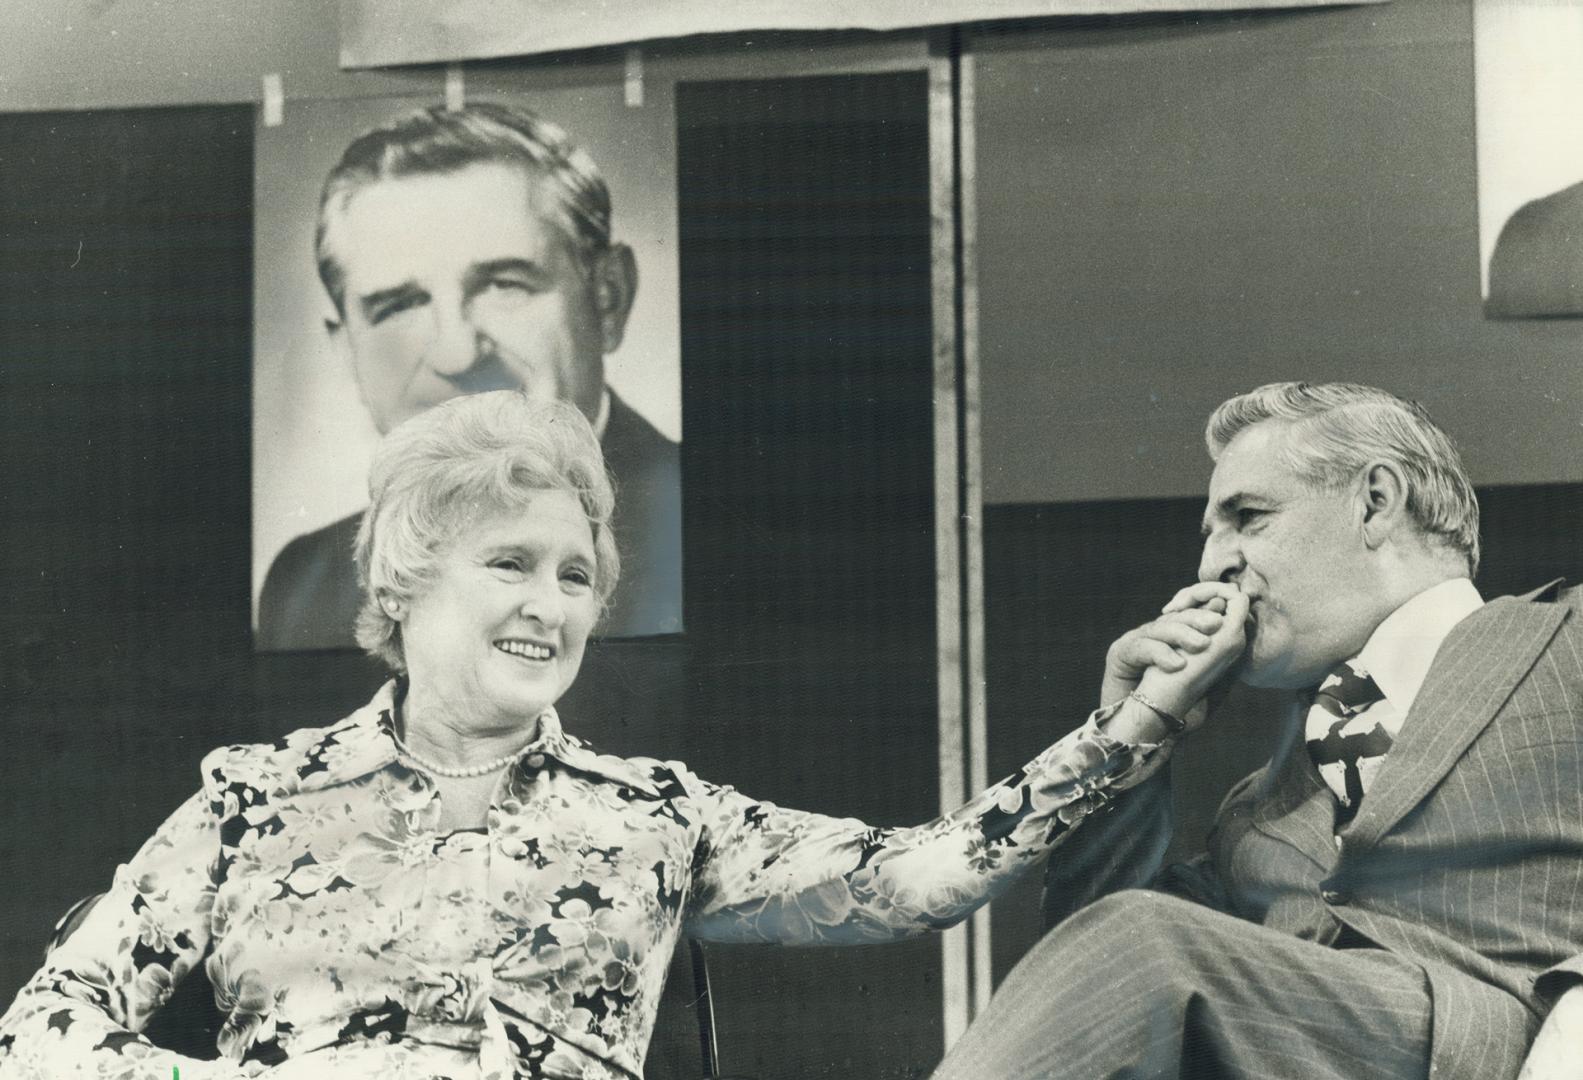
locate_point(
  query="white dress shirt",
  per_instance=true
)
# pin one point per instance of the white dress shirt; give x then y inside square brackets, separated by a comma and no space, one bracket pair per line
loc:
[1397,656]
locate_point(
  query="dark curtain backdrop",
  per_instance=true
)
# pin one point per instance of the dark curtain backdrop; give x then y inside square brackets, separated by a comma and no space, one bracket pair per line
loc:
[808,527]
[124,358]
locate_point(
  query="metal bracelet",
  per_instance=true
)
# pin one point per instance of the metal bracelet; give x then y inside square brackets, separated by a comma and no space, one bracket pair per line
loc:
[1172,721]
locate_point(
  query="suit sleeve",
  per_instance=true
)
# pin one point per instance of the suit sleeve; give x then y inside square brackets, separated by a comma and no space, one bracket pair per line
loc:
[1125,848]
[768,874]
[80,1015]
[1122,848]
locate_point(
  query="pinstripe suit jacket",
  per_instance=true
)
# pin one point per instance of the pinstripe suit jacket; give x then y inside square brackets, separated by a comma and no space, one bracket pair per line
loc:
[1466,857]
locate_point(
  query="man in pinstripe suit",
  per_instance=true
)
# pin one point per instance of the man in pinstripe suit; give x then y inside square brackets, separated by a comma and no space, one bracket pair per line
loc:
[1411,907]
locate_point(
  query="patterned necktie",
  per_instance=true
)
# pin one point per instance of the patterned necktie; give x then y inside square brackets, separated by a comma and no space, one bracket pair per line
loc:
[1347,740]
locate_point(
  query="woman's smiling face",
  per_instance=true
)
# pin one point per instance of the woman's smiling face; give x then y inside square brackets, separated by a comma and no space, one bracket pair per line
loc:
[499,634]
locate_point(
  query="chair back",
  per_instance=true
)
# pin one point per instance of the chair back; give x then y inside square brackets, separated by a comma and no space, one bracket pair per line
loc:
[704,1004]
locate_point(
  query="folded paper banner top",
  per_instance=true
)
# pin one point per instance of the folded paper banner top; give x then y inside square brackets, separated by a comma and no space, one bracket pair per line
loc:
[379,33]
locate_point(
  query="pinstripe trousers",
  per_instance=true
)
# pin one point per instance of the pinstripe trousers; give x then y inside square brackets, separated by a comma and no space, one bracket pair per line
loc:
[1144,985]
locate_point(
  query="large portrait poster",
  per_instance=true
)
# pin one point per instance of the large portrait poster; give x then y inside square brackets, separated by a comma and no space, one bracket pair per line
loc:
[1529,83]
[443,260]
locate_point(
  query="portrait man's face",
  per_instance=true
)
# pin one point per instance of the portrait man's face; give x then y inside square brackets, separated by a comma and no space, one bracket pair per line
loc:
[1298,553]
[459,282]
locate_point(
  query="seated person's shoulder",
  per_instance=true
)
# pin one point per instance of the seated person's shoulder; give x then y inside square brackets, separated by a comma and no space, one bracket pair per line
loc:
[1572,597]
[1557,593]
[639,777]
[282,765]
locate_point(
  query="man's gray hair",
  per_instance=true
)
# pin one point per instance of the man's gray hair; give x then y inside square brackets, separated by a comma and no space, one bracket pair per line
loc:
[1338,428]
[438,141]
[453,465]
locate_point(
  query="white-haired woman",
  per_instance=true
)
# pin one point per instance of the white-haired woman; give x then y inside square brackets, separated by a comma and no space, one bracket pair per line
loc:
[447,883]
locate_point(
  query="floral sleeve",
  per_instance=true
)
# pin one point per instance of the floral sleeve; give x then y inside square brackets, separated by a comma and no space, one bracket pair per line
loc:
[80,1014]
[767,874]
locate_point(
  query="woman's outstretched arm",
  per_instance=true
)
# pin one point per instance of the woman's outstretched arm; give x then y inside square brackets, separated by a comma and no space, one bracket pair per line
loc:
[764,873]
[769,874]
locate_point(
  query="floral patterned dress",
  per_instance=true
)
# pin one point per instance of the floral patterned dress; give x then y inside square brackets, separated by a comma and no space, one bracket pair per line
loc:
[346,935]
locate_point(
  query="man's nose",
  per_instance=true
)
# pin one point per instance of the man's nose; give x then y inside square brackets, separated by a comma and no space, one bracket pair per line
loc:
[1221,560]
[457,344]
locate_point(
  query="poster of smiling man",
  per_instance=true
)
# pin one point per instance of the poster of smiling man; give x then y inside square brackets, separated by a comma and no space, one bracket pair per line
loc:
[1529,84]
[407,253]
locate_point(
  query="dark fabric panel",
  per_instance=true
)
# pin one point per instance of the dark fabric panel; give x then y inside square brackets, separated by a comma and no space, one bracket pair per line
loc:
[808,517]
[1064,580]
[124,355]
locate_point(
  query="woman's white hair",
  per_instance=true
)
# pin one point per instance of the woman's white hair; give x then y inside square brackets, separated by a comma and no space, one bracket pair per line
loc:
[1339,428]
[466,459]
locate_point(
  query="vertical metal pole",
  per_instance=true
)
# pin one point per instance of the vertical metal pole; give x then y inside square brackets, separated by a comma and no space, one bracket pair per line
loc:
[972,473]
[956,969]
[967,976]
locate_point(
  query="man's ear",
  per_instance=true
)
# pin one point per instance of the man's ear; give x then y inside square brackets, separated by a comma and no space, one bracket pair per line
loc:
[1384,501]
[615,287]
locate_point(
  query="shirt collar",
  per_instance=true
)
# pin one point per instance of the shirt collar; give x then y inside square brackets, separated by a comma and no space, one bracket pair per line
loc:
[365,742]
[361,744]
[1400,650]
[553,741]
[602,420]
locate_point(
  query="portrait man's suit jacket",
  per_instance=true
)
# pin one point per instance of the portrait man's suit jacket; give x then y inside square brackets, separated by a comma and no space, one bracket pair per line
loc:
[1465,857]
[1537,265]
[311,597]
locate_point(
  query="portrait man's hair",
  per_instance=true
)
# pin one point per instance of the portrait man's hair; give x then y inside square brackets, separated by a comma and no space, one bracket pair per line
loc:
[436,140]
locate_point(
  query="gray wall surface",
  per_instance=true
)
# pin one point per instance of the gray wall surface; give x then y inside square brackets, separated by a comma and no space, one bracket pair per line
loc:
[1174,211]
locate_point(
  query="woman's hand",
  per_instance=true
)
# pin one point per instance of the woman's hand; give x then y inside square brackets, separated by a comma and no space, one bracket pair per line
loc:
[1175,659]
[1222,639]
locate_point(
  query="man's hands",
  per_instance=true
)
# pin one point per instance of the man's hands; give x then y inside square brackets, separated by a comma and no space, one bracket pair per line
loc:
[1176,659]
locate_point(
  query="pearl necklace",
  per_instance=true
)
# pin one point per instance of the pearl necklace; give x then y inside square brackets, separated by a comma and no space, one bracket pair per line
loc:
[469,771]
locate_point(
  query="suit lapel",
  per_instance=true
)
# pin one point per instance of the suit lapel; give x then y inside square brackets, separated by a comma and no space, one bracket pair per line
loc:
[630,443]
[1297,808]
[1473,674]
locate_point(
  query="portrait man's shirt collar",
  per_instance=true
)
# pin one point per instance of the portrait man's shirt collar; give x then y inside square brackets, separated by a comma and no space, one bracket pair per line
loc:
[602,421]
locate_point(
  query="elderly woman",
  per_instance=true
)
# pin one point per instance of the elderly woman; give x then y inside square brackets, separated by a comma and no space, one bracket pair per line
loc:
[447,883]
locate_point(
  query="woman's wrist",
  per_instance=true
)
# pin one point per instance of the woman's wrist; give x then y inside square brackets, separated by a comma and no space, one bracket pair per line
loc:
[1158,690]
[1169,718]
[1135,723]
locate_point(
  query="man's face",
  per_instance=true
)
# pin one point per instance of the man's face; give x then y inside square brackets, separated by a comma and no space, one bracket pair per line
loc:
[455,283]
[1297,551]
